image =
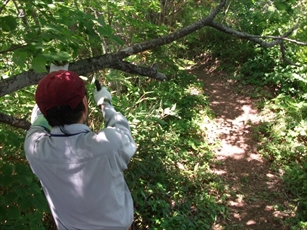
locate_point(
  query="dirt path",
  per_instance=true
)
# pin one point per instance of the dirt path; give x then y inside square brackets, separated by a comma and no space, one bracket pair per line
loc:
[254,193]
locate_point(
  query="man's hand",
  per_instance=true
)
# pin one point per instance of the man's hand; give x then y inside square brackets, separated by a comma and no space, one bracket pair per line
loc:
[54,67]
[102,96]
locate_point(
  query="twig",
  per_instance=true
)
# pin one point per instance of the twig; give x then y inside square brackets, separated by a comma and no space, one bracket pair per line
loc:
[12,48]
[4,5]
[283,55]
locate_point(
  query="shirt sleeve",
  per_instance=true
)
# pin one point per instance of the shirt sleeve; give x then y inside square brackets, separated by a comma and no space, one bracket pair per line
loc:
[38,119]
[114,119]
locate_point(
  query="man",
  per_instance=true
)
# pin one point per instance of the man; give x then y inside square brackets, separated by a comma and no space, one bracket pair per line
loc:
[81,172]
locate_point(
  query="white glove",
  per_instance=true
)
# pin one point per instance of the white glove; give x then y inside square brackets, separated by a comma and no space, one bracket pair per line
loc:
[54,67]
[102,96]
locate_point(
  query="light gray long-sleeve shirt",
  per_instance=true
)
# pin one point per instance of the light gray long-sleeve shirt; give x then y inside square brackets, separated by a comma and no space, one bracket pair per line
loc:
[82,173]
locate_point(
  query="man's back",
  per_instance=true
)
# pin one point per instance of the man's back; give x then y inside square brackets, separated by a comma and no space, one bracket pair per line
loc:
[82,174]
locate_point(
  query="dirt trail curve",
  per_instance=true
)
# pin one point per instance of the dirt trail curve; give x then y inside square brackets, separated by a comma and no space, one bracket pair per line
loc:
[255,196]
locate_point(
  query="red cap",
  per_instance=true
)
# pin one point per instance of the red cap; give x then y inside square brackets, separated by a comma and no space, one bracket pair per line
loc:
[59,88]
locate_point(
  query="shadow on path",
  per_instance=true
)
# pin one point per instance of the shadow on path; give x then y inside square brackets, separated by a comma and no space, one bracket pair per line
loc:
[254,193]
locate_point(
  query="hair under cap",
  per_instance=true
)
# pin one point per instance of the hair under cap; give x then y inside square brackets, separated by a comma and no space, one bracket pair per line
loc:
[59,88]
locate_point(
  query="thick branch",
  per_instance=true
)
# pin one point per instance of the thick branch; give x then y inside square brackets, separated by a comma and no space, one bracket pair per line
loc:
[255,38]
[139,70]
[19,81]
[82,67]
[167,39]
[115,60]
[13,121]
[89,65]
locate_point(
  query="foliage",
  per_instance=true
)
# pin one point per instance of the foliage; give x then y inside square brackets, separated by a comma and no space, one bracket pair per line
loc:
[255,68]
[283,138]
[169,176]
[266,68]
[22,203]
[287,128]
[63,32]
[282,134]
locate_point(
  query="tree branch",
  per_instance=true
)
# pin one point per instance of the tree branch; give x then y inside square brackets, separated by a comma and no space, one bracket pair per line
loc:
[300,43]
[4,5]
[115,60]
[85,66]
[258,39]
[283,55]
[13,121]
[13,47]
[140,70]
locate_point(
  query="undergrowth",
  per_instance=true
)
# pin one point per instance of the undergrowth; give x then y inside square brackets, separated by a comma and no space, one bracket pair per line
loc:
[283,136]
[283,131]
[169,176]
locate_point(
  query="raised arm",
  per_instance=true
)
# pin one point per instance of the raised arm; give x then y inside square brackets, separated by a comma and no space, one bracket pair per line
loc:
[115,122]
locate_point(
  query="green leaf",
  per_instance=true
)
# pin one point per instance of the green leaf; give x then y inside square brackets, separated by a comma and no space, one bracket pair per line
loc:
[58,56]
[25,179]
[101,21]
[6,175]
[19,58]
[35,189]
[281,6]
[13,212]
[24,203]
[8,23]
[40,202]
[106,31]
[117,40]
[7,169]
[39,64]
[5,180]
[2,213]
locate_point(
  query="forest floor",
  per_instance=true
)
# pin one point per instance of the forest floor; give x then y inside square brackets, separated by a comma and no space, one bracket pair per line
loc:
[255,194]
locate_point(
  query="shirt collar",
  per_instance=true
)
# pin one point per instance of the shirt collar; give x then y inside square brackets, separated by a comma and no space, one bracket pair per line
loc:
[70,129]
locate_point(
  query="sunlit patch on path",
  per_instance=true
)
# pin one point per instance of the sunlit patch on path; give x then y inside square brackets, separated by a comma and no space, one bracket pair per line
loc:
[254,195]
